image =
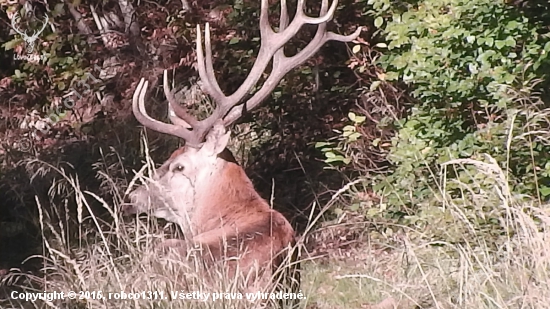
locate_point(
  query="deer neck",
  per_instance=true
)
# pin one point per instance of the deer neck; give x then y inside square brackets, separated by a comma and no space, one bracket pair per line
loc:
[224,193]
[225,183]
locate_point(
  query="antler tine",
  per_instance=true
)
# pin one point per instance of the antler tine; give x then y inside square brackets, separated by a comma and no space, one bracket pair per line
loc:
[331,36]
[283,64]
[265,27]
[283,19]
[138,108]
[302,18]
[227,109]
[178,114]
[225,103]
[210,84]
[206,68]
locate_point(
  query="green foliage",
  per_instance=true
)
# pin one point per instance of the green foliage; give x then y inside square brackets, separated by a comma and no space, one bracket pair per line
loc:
[471,66]
[59,68]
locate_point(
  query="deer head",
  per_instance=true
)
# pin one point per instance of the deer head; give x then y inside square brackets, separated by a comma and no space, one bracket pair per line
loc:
[194,174]
[183,181]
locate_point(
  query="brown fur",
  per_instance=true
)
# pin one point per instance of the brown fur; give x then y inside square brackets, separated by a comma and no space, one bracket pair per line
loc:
[237,212]
[232,220]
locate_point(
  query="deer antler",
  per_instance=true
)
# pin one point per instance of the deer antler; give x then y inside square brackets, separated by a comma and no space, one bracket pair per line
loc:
[228,109]
[138,107]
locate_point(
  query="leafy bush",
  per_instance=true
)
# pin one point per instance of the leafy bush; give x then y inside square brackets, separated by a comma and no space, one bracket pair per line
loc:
[473,68]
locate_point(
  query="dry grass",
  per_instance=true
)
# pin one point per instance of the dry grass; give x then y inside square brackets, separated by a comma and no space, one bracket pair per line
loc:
[439,275]
[406,270]
[411,273]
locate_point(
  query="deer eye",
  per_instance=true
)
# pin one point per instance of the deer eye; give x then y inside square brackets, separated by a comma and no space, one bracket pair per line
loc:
[178,168]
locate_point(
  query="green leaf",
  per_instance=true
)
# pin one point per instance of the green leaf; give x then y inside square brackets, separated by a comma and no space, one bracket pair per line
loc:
[372,212]
[512,25]
[354,136]
[545,191]
[322,144]
[359,119]
[356,49]
[11,44]
[349,128]
[374,85]
[509,78]
[378,21]
[58,9]
[234,40]
[306,71]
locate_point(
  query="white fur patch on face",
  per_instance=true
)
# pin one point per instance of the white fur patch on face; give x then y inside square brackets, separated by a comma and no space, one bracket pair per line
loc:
[180,181]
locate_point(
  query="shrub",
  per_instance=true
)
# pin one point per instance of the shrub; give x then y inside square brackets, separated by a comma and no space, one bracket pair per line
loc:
[473,68]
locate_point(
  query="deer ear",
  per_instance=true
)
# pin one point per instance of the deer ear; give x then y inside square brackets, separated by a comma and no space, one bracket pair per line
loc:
[216,140]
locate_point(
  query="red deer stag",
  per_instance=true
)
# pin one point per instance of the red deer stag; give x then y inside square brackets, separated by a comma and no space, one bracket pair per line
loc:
[200,186]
